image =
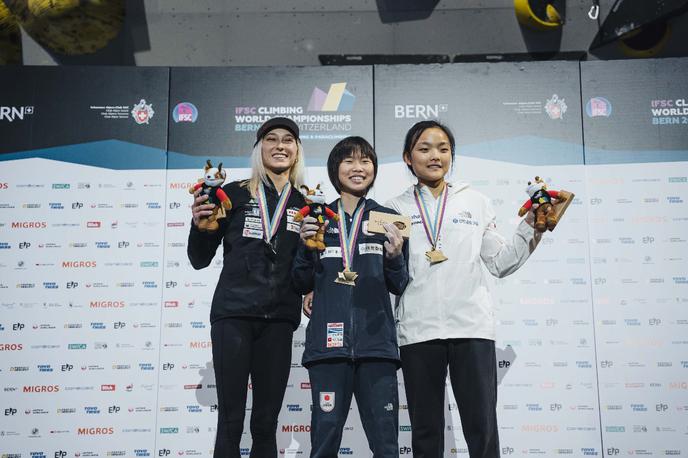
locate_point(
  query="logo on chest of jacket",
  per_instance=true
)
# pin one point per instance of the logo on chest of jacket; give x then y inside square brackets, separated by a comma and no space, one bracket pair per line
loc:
[370,248]
[465,217]
[251,208]
[327,401]
[335,335]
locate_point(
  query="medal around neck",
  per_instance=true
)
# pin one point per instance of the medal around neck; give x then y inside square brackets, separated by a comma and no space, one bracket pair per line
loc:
[271,225]
[347,242]
[432,227]
[435,256]
[346,277]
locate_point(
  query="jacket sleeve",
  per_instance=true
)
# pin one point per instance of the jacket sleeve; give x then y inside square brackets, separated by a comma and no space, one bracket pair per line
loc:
[396,272]
[303,269]
[502,257]
[202,246]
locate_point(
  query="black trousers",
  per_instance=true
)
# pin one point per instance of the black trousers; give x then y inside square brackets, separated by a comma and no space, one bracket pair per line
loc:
[473,373]
[262,349]
[374,384]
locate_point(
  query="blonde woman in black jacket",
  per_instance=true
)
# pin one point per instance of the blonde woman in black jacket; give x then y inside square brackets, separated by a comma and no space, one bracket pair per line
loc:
[255,308]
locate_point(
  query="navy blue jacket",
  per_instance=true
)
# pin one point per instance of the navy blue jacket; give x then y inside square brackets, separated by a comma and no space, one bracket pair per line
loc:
[359,319]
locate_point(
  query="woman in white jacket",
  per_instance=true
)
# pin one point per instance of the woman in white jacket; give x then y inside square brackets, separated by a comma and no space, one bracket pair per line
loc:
[445,316]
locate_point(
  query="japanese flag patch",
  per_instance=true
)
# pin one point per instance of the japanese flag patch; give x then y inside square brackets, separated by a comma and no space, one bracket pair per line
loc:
[327,401]
[335,335]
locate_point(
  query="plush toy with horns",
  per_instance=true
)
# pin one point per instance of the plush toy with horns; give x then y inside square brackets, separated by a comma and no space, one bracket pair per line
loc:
[315,207]
[211,186]
[549,206]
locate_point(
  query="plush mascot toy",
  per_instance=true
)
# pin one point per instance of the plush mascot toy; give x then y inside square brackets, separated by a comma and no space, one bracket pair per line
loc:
[211,185]
[315,200]
[547,213]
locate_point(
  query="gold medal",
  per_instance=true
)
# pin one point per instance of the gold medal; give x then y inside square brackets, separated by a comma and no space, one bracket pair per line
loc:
[346,277]
[347,242]
[435,256]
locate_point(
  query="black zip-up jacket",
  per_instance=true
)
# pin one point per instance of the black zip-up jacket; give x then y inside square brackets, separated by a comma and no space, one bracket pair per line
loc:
[358,321]
[253,282]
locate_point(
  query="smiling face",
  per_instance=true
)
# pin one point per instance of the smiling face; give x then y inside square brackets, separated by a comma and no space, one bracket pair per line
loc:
[430,157]
[356,174]
[279,150]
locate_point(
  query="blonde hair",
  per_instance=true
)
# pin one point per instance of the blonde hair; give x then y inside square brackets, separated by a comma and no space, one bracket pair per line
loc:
[259,174]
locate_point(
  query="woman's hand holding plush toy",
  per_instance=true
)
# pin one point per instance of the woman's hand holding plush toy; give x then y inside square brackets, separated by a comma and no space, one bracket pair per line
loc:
[199,209]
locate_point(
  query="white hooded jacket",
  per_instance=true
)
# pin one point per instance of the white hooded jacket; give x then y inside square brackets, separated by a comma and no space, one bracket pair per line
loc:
[451,299]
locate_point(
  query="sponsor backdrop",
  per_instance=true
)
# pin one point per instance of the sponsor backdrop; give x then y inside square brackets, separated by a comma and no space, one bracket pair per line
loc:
[636,135]
[82,191]
[104,333]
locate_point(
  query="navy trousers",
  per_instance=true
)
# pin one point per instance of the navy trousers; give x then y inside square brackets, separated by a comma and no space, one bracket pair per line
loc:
[374,383]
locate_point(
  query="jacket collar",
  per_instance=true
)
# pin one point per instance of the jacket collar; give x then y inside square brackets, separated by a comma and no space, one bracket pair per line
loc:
[270,187]
[369,203]
[454,187]
[457,186]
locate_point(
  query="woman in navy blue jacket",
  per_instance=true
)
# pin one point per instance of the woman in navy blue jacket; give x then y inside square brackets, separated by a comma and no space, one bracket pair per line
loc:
[351,343]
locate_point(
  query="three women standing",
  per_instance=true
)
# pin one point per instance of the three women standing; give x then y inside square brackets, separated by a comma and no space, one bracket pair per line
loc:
[445,315]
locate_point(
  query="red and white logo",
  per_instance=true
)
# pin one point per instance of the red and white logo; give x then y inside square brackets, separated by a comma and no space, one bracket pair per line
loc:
[555,107]
[327,401]
[142,112]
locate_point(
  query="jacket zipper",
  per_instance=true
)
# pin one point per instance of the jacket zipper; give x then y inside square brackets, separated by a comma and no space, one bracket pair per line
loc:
[271,279]
[351,305]
[353,323]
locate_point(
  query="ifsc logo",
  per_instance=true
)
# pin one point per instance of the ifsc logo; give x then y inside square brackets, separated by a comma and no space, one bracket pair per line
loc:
[185,112]
[598,107]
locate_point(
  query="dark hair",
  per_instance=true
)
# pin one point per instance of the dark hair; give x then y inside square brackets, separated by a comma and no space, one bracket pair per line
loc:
[346,148]
[417,130]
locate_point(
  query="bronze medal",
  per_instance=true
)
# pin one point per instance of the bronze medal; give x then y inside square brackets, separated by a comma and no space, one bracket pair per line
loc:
[432,228]
[435,256]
